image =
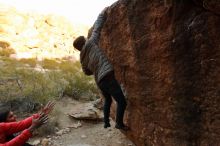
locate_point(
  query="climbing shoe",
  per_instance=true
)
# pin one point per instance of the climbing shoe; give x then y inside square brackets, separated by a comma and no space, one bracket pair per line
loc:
[106,125]
[122,127]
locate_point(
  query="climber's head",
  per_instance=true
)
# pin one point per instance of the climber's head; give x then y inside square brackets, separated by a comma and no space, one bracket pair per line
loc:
[79,42]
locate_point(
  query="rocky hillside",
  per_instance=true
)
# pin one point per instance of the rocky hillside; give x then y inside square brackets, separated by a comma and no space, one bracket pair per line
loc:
[37,59]
[167,56]
[33,35]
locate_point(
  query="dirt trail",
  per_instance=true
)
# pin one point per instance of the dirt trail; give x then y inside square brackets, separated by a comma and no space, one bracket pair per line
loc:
[89,134]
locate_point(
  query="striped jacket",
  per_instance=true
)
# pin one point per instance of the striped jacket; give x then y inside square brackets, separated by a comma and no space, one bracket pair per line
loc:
[93,60]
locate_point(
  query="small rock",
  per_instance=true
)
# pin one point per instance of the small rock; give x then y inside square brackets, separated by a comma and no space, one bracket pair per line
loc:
[67,130]
[76,125]
[36,142]
[57,129]
[45,142]
[108,135]
[86,111]
[109,129]
[60,132]
[83,136]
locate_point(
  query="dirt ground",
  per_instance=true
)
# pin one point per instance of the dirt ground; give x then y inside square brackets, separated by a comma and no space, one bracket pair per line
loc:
[88,134]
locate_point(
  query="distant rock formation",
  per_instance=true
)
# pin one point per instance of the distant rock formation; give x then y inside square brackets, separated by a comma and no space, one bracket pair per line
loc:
[34,35]
[168,59]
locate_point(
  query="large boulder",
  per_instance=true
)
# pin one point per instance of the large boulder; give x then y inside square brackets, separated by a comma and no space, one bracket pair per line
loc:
[168,59]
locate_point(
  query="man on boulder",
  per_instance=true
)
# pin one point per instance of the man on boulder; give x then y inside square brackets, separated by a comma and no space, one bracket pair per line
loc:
[94,62]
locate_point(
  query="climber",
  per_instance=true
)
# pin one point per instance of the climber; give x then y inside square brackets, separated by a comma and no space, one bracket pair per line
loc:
[9,126]
[94,62]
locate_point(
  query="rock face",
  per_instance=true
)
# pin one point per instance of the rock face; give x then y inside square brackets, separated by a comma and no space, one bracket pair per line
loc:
[168,59]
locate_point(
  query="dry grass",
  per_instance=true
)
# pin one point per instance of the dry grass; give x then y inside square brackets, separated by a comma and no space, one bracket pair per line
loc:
[55,79]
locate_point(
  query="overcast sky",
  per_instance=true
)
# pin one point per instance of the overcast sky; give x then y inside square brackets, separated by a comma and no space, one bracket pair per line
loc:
[78,11]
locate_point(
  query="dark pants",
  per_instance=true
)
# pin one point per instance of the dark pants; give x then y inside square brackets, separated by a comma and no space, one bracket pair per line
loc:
[110,87]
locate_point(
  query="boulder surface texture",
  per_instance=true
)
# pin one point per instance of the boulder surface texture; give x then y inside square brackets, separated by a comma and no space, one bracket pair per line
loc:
[166,54]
